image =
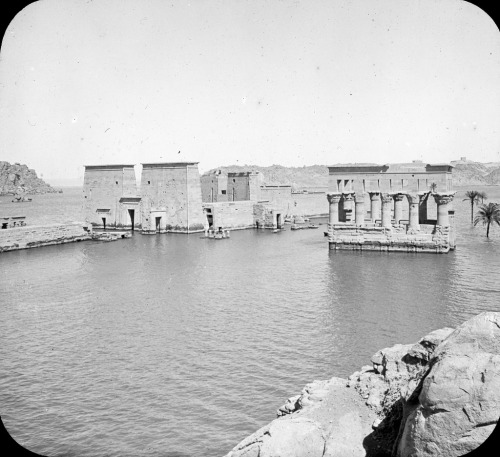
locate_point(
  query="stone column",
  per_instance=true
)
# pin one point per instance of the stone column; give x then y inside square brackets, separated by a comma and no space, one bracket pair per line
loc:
[422,208]
[333,200]
[386,210]
[360,208]
[375,205]
[442,201]
[414,200]
[348,199]
[398,207]
[348,204]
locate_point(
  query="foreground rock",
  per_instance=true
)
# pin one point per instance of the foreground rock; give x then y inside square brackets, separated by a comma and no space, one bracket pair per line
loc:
[440,396]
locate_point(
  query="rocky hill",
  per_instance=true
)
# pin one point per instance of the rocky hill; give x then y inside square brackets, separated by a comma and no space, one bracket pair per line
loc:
[475,173]
[465,173]
[19,179]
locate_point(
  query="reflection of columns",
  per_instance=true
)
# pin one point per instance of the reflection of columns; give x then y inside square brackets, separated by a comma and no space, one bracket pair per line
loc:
[375,205]
[333,199]
[413,200]
[398,207]
[442,201]
[360,208]
[422,208]
[386,210]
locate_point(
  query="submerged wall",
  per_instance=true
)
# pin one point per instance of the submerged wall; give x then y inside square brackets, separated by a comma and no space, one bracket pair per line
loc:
[429,239]
[43,235]
[230,215]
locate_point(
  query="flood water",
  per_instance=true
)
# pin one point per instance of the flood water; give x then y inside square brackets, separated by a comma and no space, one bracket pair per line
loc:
[175,345]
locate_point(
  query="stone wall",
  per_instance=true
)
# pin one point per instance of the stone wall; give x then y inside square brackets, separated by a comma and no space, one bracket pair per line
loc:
[397,238]
[244,186]
[231,215]
[214,187]
[103,189]
[43,235]
[310,204]
[390,178]
[171,198]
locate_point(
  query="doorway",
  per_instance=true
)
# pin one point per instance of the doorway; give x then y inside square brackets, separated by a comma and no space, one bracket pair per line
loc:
[131,213]
[210,220]
[279,223]
[158,224]
[104,223]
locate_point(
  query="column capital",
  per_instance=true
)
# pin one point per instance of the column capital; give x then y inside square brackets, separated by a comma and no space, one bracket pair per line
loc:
[444,198]
[334,197]
[374,194]
[386,198]
[398,197]
[349,196]
[413,197]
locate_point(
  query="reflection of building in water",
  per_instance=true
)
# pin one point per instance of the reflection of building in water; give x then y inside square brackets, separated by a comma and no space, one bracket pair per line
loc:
[384,207]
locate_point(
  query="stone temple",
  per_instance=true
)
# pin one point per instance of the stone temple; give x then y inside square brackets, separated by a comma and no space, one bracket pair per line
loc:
[386,207]
[169,199]
[174,198]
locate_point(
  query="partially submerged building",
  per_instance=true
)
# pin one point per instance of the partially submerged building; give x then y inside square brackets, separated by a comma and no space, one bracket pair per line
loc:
[232,199]
[385,207]
[169,199]
[110,196]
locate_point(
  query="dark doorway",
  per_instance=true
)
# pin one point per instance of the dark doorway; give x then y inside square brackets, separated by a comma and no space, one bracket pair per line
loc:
[158,223]
[278,221]
[104,223]
[131,213]
[210,220]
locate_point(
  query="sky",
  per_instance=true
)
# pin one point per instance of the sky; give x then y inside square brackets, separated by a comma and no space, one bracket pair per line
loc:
[235,82]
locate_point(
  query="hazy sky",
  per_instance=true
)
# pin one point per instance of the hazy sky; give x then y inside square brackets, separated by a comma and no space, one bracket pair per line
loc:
[248,82]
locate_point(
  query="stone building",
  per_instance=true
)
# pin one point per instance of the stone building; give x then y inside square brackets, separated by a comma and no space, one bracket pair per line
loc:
[110,196]
[214,187]
[171,198]
[385,207]
[244,186]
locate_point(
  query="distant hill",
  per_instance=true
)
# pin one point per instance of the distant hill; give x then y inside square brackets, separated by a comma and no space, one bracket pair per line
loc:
[464,173]
[475,173]
[19,179]
[298,177]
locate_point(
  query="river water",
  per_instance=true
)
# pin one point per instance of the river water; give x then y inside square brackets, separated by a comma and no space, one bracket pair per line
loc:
[175,345]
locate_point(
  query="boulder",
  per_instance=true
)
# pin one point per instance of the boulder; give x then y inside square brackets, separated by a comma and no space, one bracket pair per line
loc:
[459,402]
[440,396]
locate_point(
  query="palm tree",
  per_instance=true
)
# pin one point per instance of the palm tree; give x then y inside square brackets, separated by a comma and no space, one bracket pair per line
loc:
[473,196]
[487,214]
[482,196]
[433,187]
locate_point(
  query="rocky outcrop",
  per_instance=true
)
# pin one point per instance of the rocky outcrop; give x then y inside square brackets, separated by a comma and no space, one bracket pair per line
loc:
[440,396]
[459,403]
[19,180]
